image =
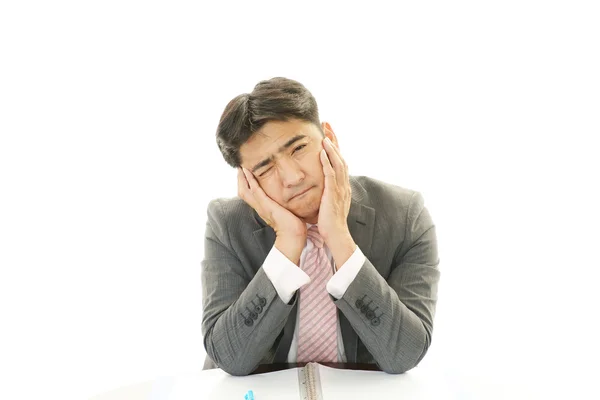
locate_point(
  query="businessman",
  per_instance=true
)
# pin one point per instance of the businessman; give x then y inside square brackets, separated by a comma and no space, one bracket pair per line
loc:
[308,263]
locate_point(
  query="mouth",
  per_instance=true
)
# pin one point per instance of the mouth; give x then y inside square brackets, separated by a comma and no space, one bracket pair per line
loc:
[301,193]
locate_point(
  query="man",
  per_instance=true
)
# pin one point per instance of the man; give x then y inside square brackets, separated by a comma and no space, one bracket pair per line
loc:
[309,263]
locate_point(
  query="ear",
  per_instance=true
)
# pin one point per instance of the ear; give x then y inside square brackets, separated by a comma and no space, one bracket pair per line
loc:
[328,130]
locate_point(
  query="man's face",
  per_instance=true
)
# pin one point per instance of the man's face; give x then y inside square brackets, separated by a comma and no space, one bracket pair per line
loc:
[284,158]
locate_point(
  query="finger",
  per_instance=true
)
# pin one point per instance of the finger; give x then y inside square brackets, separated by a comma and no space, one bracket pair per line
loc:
[250,179]
[328,170]
[244,188]
[337,161]
[334,155]
[242,181]
[255,187]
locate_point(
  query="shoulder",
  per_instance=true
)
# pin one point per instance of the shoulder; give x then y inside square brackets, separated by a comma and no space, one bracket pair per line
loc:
[229,213]
[228,208]
[382,195]
[398,210]
[400,215]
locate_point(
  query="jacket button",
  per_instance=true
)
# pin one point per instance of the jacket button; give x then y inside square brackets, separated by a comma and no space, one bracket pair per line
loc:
[258,309]
[364,309]
[262,301]
[253,315]
[359,303]
[248,322]
[370,314]
[375,321]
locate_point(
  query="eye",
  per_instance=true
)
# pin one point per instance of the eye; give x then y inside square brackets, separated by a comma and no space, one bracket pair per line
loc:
[264,172]
[299,147]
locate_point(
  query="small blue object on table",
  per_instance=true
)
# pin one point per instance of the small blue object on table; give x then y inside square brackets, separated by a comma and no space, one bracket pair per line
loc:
[249,395]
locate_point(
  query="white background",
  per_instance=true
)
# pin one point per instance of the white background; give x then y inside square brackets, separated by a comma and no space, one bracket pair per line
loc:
[108,112]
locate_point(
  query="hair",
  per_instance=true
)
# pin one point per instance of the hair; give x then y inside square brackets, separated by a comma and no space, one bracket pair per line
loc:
[276,99]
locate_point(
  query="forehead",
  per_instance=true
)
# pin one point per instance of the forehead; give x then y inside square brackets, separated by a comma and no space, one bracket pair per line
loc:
[274,134]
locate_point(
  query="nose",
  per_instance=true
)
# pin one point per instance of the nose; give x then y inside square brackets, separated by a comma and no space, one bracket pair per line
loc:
[290,172]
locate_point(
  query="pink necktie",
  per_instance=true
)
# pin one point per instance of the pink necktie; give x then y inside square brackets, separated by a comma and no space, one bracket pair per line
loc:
[317,335]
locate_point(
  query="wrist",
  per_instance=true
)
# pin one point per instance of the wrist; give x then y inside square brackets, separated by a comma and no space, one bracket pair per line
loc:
[341,248]
[291,247]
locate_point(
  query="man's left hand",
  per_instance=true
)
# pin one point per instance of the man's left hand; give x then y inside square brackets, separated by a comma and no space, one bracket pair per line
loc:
[335,204]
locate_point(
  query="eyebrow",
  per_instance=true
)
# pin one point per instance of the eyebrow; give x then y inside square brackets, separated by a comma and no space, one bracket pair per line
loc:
[282,148]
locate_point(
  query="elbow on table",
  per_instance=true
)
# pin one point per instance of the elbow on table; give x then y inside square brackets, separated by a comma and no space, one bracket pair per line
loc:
[227,362]
[398,368]
[234,366]
[236,370]
[401,365]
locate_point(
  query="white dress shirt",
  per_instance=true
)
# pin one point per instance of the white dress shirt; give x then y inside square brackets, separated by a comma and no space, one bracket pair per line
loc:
[287,277]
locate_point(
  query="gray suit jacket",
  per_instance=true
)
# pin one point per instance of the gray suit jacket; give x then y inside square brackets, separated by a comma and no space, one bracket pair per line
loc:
[386,315]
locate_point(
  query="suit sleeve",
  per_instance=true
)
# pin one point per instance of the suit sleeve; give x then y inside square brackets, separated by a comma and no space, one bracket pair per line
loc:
[242,315]
[394,317]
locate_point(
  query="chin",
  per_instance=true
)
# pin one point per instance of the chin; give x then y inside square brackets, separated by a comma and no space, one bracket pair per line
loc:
[306,212]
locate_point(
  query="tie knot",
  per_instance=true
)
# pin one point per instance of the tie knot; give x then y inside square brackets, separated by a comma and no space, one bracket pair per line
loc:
[315,237]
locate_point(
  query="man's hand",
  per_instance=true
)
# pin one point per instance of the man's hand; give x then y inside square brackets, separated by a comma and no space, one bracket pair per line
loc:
[289,229]
[335,204]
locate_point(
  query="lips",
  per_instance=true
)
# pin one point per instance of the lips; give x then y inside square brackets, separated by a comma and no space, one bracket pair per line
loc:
[300,194]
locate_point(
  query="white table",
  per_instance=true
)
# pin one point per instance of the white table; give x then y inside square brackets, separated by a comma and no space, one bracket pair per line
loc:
[417,384]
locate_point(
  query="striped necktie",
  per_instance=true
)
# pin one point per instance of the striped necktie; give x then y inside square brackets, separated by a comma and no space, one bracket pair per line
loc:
[317,336]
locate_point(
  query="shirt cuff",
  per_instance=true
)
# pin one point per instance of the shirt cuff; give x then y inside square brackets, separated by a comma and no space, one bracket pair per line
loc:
[341,280]
[285,276]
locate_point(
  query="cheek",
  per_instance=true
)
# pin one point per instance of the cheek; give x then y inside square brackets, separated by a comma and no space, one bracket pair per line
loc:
[272,189]
[313,161]
[317,169]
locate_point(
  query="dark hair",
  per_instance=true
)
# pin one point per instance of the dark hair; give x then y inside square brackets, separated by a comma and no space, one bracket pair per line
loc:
[276,99]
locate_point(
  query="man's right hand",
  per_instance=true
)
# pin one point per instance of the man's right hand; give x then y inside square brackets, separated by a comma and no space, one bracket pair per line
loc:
[289,229]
